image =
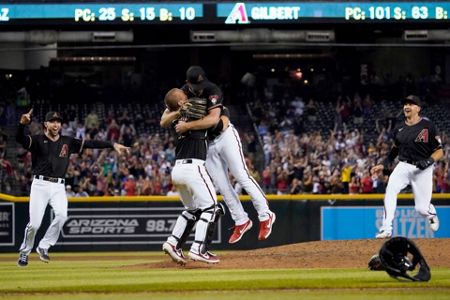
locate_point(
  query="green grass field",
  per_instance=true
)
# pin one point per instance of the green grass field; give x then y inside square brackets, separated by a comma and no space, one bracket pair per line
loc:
[72,277]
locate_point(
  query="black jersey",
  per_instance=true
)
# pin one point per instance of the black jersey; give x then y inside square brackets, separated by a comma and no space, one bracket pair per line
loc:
[211,92]
[193,143]
[416,142]
[51,158]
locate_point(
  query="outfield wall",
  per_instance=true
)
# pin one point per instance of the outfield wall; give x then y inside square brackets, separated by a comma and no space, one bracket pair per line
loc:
[143,223]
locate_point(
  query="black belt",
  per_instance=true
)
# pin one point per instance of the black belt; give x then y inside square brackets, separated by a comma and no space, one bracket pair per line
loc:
[51,179]
[190,161]
[409,161]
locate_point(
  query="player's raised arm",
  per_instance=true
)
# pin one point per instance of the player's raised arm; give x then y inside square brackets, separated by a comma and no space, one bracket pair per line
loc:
[21,138]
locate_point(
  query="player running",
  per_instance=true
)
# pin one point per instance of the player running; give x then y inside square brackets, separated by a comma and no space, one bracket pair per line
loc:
[418,146]
[50,159]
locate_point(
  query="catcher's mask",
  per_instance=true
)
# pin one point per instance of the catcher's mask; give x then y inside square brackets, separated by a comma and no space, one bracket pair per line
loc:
[400,256]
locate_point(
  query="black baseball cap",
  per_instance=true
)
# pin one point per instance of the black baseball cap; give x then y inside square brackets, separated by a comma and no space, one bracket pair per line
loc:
[196,76]
[413,99]
[53,115]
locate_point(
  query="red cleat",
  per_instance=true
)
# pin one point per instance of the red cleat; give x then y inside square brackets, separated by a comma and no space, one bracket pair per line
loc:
[265,227]
[239,231]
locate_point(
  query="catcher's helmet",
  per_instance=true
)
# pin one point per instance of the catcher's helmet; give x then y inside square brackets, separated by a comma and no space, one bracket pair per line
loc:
[399,256]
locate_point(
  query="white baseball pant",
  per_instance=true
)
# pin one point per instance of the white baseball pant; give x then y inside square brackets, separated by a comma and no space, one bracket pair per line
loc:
[422,186]
[196,192]
[44,193]
[225,152]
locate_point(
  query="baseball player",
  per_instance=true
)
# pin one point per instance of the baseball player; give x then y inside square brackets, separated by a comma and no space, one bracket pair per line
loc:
[225,152]
[193,182]
[418,146]
[50,159]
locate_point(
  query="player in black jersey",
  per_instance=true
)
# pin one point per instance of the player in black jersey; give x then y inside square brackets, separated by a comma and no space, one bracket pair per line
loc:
[50,159]
[195,186]
[197,85]
[418,146]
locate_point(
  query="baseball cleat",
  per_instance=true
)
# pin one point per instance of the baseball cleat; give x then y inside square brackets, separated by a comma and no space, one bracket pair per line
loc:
[23,260]
[265,227]
[174,253]
[239,231]
[212,254]
[434,223]
[43,254]
[206,257]
[383,234]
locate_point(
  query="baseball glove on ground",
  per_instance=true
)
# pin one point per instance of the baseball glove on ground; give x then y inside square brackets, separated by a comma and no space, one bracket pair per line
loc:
[194,109]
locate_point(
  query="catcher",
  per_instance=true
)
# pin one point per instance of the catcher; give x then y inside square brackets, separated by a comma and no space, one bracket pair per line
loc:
[194,183]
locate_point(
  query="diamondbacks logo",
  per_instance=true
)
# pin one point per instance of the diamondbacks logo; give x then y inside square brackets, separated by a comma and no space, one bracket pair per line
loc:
[422,137]
[238,15]
[64,151]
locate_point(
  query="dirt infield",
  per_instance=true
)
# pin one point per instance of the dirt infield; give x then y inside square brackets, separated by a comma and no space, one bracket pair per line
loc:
[323,254]
[320,254]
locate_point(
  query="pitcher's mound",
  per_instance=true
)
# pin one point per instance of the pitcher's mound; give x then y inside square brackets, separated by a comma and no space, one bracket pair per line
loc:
[321,254]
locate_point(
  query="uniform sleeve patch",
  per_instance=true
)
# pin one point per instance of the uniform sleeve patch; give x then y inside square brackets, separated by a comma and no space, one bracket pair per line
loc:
[214,99]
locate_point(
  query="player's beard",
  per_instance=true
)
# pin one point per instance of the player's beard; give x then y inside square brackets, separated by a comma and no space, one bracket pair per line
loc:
[52,131]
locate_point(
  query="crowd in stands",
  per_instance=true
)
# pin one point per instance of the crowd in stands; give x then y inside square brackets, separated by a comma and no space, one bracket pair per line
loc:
[294,162]
[309,145]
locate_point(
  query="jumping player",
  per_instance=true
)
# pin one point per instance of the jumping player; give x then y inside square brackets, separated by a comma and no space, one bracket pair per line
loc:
[195,186]
[225,152]
[50,159]
[418,146]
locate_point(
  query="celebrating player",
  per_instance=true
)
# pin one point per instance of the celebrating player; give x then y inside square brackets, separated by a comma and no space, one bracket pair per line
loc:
[50,159]
[191,179]
[418,146]
[225,152]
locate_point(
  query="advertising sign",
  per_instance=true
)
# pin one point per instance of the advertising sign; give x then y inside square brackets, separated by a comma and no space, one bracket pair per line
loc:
[356,222]
[119,225]
[7,224]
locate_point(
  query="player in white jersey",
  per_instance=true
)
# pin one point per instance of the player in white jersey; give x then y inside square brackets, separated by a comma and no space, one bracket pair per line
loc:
[225,153]
[418,146]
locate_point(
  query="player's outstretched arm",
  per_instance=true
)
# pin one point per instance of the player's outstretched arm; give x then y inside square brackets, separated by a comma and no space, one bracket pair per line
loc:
[95,144]
[121,149]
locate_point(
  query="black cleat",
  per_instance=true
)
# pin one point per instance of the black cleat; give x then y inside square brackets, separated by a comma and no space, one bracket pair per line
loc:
[23,260]
[43,254]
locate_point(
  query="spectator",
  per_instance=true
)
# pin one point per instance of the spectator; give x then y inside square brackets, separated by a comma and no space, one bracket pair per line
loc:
[366,183]
[354,185]
[130,186]
[69,191]
[113,131]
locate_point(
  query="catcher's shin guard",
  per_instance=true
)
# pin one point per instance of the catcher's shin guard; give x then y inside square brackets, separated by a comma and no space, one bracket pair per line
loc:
[207,218]
[183,227]
[220,211]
